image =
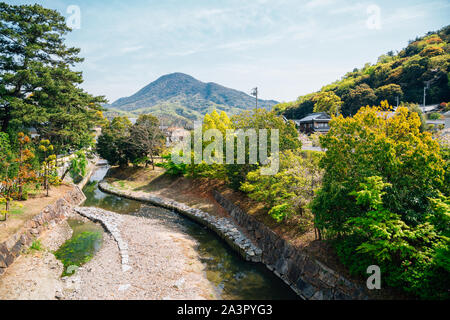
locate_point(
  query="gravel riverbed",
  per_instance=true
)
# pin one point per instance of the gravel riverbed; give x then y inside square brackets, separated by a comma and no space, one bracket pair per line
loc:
[163,261]
[164,265]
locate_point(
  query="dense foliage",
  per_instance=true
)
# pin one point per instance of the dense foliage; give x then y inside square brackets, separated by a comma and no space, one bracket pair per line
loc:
[122,143]
[285,194]
[24,165]
[288,192]
[78,166]
[403,75]
[38,88]
[384,199]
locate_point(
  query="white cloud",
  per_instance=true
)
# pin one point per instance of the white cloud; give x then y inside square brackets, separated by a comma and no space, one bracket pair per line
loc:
[318,3]
[131,49]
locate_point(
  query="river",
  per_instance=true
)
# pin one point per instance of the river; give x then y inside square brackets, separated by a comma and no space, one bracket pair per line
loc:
[232,277]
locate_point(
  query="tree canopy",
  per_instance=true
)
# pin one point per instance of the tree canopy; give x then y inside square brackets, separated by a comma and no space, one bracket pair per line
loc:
[402,75]
[384,199]
[38,87]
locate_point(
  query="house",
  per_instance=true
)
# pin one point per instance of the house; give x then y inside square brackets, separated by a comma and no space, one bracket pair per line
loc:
[429,108]
[176,134]
[314,122]
[33,132]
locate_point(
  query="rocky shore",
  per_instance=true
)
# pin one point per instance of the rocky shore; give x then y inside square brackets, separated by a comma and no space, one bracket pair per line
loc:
[140,258]
[224,227]
[163,264]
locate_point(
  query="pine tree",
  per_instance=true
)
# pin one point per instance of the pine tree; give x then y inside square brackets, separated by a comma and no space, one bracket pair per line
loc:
[38,88]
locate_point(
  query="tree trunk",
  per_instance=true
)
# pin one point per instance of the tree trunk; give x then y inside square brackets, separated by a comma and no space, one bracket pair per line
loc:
[6,209]
[46,180]
[5,120]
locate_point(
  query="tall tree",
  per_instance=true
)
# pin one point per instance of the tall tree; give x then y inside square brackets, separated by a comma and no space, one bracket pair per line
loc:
[146,140]
[37,86]
[112,143]
[327,101]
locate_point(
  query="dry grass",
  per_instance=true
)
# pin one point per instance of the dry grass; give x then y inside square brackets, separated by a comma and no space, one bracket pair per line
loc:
[23,211]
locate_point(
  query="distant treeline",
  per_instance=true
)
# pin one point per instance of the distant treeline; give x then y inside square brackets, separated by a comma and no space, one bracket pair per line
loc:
[403,75]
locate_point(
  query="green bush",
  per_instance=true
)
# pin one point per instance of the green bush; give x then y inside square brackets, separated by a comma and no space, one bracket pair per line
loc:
[171,167]
[416,259]
[434,116]
[78,166]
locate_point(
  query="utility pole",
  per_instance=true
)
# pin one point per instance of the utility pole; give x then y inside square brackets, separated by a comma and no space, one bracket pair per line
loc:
[424,95]
[397,100]
[427,86]
[255,94]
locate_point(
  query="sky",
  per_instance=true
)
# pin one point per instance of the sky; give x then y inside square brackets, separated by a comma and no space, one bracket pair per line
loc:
[286,48]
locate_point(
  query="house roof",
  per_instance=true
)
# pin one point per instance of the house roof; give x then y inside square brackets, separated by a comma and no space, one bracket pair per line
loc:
[315,116]
[436,122]
[429,108]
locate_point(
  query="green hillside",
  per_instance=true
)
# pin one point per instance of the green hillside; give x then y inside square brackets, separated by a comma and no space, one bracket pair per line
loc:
[181,99]
[404,74]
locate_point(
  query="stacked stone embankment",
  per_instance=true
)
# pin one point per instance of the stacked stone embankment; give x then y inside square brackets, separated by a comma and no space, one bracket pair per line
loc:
[307,276]
[11,248]
[111,222]
[224,227]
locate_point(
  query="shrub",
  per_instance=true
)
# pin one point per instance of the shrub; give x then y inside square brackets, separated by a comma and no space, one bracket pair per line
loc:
[434,116]
[415,259]
[78,166]
[36,245]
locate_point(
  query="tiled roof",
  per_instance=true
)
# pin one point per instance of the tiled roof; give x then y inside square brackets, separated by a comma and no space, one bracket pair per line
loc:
[315,116]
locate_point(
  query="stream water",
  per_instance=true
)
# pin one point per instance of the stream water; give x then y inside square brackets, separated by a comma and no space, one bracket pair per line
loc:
[233,277]
[86,240]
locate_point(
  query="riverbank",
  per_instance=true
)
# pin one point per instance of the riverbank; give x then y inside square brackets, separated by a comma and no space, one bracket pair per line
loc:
[163,264]
[224,227]
[322,275]
[309,278]
[35,275]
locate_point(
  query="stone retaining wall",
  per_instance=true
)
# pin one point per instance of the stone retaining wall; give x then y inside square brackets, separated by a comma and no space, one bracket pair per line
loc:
[111,222]
[224,227]
[308,277]
[91,167]
[11,248]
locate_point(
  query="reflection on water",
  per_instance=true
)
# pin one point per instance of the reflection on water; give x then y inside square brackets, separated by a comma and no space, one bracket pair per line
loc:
[232,277]
[99,199]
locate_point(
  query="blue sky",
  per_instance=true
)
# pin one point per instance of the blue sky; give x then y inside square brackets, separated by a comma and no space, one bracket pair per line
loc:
[285,47]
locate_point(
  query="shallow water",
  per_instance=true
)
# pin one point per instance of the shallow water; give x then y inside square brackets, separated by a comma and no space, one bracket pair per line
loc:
[86,240]
[233,277]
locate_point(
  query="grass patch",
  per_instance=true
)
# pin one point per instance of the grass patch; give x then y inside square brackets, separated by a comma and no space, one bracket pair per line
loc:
[16,209]
[36,246]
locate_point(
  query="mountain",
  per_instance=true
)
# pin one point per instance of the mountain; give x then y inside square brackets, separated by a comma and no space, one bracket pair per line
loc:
[180,98]
[426,60]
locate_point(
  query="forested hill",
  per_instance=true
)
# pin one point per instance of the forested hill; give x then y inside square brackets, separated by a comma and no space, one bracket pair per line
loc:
[178,96]
[403,74]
